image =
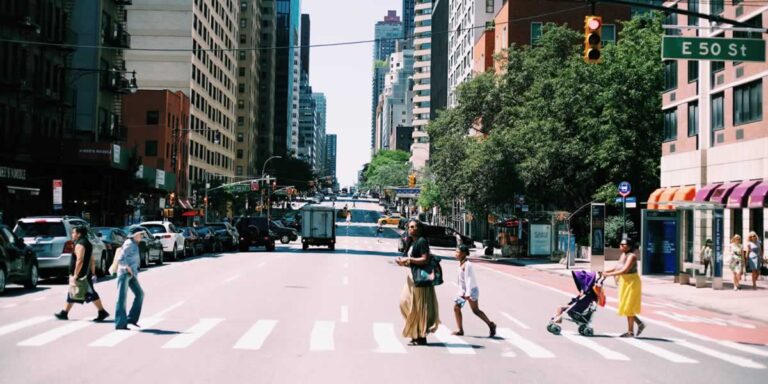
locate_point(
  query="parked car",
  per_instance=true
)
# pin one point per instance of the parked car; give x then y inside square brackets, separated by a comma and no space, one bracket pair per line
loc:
[285,234]
[99,253]
[210,240]
[18,262]
[193,243]
[150,248]
[254,231]
[113,238]
[169,236]
[232,239]
[392,219]
[438,236]
[51,239]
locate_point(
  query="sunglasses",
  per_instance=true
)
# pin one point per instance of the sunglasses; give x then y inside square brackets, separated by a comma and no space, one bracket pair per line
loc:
[623,244]
[412,226]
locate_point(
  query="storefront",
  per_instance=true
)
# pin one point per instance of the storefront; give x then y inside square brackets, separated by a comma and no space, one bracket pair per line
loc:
[17,193]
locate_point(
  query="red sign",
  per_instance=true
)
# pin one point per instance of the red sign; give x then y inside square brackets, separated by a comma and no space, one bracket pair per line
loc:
[254,186]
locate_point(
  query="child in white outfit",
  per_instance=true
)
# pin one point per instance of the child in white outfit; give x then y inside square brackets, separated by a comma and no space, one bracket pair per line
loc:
[468,291]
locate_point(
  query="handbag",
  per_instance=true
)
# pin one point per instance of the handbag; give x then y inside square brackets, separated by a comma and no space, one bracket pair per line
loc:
[429,275]
[78,290]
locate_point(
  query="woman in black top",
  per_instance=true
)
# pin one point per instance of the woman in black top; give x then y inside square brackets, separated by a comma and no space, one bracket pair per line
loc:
[82,265]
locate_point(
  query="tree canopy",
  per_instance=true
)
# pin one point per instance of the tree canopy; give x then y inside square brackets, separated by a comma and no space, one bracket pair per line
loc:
[387,168]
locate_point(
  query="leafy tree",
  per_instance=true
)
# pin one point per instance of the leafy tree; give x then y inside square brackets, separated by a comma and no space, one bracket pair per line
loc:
[291,171]
[387,168]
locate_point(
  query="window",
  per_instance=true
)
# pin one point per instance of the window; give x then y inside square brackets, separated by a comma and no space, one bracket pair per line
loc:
[240,137]
[748,103]
[716,66]
[609,34]
[693,119]
[240,121]
[670,75]
[239,153]
[693,70]
[239,170]
[241,87]
[242,39]
[757,21]
[535,33]
[671,19]
[489,6]
[718,119]
[716,7]
[153,117]
[240,104]
[241,55]
[243,23]
[150,148]
[243,5]
[693,6]
[670,124]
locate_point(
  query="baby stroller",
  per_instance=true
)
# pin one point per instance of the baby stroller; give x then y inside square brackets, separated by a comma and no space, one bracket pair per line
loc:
[581,308]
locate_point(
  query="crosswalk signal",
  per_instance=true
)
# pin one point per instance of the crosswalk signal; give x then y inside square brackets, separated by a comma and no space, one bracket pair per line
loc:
[593,38]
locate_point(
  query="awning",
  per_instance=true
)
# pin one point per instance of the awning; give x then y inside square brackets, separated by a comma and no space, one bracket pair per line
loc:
[720,195]
[193,213]
[654,198]
[757,197]
[705,192]
[737,199]
[685,194]
[667,197]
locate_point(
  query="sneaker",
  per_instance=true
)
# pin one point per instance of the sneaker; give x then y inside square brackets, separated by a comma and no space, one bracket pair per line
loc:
[61,315]
[102,316]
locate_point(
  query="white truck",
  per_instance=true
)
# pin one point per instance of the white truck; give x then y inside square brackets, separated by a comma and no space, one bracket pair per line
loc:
[318,226]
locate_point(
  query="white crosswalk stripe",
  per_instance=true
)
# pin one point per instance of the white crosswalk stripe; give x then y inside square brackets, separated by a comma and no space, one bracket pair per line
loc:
[192,334]
[658,351]
[530,348]
[737,360]
[586,342]
[322,336]
[744,348]
[255,337]
[13,327]
[55,334]
[118,336]
[387,340]
[454,344]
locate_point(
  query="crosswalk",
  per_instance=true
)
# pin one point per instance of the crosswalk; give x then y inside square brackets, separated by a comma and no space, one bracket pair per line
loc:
[384,338]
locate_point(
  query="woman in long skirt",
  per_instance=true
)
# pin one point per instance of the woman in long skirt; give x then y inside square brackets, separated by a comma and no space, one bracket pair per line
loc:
[418,305]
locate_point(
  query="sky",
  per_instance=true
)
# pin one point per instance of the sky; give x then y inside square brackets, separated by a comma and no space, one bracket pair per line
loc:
[344,74]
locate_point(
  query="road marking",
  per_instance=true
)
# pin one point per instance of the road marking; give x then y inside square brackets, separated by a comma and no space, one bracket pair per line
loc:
[345,280]
[530,348]
[39,298]
[11,305]
[344,314]
[744,348]
[586,342]
[171,308]
[230,279]
[455,345]
[516,321]
[13,327]
[118,336]
[322,336]
[736,360]
[254,338]
[658,351]
[192,334]
[55,334]
[386,340]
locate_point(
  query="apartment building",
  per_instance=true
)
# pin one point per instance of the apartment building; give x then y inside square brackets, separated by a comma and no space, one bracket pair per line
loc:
[422,40]
[287,76]
[396,104]
[320,119]
[266,95]
[386,33]
[246,130]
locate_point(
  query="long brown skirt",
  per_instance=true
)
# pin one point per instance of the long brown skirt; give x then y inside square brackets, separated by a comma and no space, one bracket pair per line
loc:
[419,308]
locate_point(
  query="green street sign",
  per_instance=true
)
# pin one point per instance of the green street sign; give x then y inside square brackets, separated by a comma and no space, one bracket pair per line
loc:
[239,188]
[722,49]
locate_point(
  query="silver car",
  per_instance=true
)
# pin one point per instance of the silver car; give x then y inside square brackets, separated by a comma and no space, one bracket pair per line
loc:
[51,239]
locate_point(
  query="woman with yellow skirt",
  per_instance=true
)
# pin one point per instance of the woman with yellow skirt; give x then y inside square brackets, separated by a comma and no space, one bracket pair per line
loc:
[630,289]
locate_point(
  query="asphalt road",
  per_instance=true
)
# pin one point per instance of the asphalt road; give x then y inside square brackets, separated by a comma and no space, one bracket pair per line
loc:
[318,316]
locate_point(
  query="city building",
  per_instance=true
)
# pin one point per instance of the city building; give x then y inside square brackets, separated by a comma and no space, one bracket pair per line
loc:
[715,146]
[287,76]
[402,138]
[246,129]
[408,15]
[267,77]
[386,34]
[463,21]
[330,159]
[396,107]
[308,134]
[438,96]
[422,40]
[320,119]
[207,74]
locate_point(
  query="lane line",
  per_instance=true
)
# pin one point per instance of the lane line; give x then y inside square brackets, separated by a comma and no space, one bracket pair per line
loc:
[13,327]
[192,334]
[736,360]
[658,351]
[744,348]
[255,337]
[118,336]
[322,336]
[454,344]
[603,351]
[516,321]
[171,308]
[230,279]
[39,298]
[530,348]
[386,339]
[55,334]
[344,314]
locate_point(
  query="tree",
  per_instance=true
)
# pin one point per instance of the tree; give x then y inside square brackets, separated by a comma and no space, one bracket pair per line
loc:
[387,168]
[291,171]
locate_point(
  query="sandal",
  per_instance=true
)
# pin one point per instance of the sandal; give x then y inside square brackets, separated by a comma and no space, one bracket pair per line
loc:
[640,328]
[493,329]
[628,334]
[458,333]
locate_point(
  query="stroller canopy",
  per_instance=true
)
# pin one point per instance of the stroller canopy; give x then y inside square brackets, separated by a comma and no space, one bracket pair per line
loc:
[584,280]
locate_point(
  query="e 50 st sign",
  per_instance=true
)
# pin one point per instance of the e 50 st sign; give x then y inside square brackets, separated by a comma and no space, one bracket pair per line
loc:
[722,49]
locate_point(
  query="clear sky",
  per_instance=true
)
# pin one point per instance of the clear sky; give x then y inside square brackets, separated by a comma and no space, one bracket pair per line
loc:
[344,73]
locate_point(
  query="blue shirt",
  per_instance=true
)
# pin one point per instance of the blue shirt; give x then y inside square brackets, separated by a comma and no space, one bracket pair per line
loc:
[130,259]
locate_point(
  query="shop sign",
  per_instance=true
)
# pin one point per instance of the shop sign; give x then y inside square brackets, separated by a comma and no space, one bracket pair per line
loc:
[58,186]
[13,173]
[115,153]
[159,178]
[95,151]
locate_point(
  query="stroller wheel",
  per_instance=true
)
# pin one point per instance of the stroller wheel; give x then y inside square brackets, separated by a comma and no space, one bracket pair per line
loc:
[553,328]
[586,330]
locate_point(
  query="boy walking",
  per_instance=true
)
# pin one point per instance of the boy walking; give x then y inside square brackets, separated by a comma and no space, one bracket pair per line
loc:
[468,291]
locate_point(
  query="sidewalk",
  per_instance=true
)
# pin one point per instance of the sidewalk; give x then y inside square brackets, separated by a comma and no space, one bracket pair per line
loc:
[747,303]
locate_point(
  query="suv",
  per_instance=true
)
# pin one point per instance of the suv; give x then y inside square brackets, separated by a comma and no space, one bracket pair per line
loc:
[171,238]
[51,239]
[285,234]
[438,236]
[18,263]
[255,231]
[228,233]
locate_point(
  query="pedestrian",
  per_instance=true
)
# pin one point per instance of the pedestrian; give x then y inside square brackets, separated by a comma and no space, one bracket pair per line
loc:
[705,257]
[754,257]
[418,305]
[468,292]
[379,231]
[736,262]
[82,266]
[349,217]
[128,277]
[630,288]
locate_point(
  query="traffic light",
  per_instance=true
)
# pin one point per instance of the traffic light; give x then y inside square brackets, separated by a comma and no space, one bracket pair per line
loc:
[411,181]
[172,200]
[593,38]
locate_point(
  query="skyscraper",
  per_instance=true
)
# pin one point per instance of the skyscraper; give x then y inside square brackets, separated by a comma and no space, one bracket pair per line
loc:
[387,32]
[408,14]
[266,94]
[330,150]
[307,144]
[422,40]
[320,119]
[287,76]
[247,89]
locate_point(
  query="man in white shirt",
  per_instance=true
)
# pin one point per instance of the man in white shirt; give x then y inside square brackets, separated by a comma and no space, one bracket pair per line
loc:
[468,291]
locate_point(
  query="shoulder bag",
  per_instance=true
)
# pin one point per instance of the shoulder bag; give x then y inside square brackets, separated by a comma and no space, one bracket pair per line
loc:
[79,289]
[429,275]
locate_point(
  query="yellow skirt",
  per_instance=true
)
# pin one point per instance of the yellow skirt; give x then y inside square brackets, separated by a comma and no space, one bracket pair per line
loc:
[630,294]
[419,308]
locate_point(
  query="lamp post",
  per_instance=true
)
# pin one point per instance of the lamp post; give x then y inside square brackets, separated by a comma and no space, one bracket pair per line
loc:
[263,169]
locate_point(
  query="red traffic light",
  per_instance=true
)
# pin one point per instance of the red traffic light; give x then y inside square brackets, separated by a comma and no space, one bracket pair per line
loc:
[594,23]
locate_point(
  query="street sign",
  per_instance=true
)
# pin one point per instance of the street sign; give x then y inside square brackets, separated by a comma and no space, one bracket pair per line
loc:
[254,186]
[721,49]
[630,200]
[625,188]
[239,188]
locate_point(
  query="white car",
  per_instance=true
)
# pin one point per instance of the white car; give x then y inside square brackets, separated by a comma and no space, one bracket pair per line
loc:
[171,237]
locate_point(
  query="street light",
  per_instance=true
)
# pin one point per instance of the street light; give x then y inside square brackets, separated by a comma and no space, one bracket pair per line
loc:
[263,169]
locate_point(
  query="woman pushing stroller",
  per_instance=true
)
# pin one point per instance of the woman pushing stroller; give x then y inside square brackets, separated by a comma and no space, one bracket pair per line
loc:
[630,288]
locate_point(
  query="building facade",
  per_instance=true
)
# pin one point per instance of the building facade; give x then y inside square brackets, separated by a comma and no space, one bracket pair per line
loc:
[422,51]
[246,130]
[438,96]
[396,105]
[267,62]
[408,14]
[320,119]
[287,76]
[386,33]
[330,159]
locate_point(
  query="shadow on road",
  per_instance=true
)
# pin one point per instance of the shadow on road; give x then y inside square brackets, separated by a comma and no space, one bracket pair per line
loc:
[11,291]
[160,332]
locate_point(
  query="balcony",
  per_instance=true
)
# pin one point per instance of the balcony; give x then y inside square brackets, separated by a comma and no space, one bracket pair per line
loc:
[124,2]
[120,37]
